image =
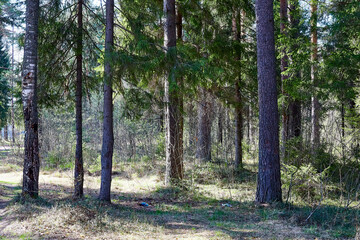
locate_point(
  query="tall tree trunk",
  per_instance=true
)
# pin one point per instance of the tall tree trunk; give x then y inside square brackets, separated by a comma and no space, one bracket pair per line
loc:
[12,89]
[203,146]
[236,29]
[180,100]
[29,97]
[173,101]
[269,183]
[108,123]
[295,104]
[284,76]
[315,105]
[79,165]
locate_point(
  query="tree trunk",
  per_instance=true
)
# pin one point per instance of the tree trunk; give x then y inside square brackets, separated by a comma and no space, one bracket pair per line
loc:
[173,102]
[108,124]
[295,118]
[29,97]
[192,127]
[79,165]
[6,132]
[220,124]
[203,146]
[12,90]
[315,105]
[236,29]
[295,104]
[269,183]
[284,77]
[238,129]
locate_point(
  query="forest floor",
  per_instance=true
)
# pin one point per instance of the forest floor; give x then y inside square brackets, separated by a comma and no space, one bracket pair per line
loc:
[197,211]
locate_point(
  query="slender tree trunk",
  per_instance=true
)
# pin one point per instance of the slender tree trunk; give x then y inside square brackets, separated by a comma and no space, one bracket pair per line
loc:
[192,127]
[29,97]
[295,104]
[238,129]
[236,29]
[251,126]
[180,99]
[220,124]
[12,89]
[295,118]
[269,183]
[342,112]
[315,105]
[284,77]
[108,122]
[79,165]
[6,132]
[173,102]
[203,146]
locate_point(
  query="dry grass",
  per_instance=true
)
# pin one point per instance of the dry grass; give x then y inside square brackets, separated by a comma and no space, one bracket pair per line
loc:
[174,213]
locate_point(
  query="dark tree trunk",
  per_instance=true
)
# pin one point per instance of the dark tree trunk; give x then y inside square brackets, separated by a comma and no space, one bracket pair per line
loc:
[12,90]
[220,124]
[108,124]
[29,97]
[203,146]
[295,118]
[236,29]
[269,183]
[179,98]
[315,105]
[173,102]
[192,127]
[295,104]
[284,77]
[238,129]
[79,166]
[6,132]
[342,112]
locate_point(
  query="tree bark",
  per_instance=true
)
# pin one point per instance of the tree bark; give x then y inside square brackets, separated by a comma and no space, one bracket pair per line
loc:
[108,123]
[315,105]
[6,132]
[236,29]
[295,118]
[269,183]
[29,98]
[173,102]
[284,76]
[12,90]
[79,165]
[192,127]
[203,146]
[295,104]
[220,124]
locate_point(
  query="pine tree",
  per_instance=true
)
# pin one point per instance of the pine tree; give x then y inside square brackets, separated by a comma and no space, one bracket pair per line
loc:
[108,125]
[79,164]
[269,183]
[4,86]
[173,100]
[29,97]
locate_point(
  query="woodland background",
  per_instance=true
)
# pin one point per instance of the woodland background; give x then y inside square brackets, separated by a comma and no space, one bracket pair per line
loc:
[317,47]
